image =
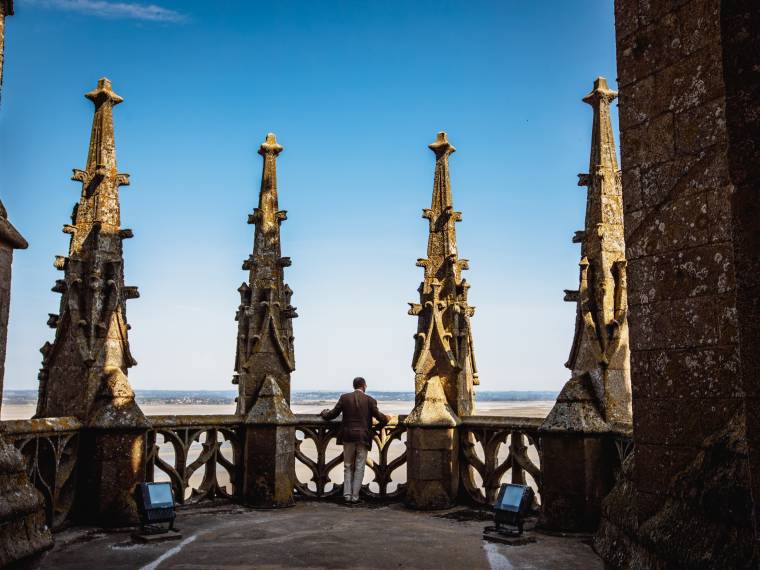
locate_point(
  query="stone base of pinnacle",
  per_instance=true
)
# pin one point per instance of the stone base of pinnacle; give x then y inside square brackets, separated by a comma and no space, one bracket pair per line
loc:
[24,535]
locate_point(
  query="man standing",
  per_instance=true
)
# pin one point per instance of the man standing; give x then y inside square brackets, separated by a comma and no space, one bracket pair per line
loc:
[358,409]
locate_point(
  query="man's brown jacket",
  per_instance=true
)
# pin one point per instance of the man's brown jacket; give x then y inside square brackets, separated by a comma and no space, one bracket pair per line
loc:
[358,409]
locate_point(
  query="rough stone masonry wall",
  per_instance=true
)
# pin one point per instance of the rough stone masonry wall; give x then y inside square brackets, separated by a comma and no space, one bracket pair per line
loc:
[689,479]
[740,27]
[677,192]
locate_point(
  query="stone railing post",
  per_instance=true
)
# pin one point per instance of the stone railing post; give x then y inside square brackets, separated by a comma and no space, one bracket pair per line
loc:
[432,451]
[577,460]
[269,450]
[112,456]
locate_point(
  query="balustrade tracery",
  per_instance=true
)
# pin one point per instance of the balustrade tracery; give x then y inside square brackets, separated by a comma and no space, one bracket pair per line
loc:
[49,447]
[201,457]
[318,456]
[494,448]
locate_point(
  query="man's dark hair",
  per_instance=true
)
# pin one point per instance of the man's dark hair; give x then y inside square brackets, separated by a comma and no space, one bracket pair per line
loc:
[359,382]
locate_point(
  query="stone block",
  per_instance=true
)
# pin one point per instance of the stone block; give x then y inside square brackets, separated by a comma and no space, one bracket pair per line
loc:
[701,127]
[111,464]
[432,468]
[652,142]
[269,464]
[576,474]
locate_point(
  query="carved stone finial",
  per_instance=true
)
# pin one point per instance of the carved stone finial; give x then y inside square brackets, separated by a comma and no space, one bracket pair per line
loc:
[600,345]
[444,347]
[91,347]
[270,146]
[600,93]
[103,92]
[265,329]
[442,146]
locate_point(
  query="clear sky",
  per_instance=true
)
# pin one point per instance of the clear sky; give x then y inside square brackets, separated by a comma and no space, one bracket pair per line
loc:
[354,91]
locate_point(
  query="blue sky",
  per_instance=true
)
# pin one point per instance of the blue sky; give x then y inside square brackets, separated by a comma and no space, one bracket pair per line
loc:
[354,91]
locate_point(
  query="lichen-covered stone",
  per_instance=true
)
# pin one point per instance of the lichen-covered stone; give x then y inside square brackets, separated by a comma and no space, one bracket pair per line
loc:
[576,410]
[600,345]
[24,534]
[432,451]
[689,136]
[269,450]
[270,408]
[91,346]
[433,410]
[703,523]
[444,346]
[265,315]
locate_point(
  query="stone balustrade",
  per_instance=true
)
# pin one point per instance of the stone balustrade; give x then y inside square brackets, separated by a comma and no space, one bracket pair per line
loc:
[50,447]
[388,455]
[508,446]
[202,457]
[199,455]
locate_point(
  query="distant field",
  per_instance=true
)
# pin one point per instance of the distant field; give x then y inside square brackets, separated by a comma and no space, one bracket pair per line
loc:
[225,397]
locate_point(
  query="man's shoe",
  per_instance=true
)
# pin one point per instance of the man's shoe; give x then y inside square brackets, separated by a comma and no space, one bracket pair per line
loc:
[356,500]
[347,499]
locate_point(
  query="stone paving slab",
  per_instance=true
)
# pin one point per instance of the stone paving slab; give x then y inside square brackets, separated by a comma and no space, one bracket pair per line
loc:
[317,535]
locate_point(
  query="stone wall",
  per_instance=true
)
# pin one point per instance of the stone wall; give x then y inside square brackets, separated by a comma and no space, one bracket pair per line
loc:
[691,286]
[740,23]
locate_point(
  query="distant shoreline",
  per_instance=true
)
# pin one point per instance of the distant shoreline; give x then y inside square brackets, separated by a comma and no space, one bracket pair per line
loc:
[223,397]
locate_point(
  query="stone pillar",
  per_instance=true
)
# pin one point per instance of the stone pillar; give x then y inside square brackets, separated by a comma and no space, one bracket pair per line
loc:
[432,451]
[23,532]
[269,450]
[112,456]
[24,535]
[688,81]
[577,460]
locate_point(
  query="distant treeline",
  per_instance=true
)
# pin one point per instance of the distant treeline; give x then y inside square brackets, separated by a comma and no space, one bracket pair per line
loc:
[221,397]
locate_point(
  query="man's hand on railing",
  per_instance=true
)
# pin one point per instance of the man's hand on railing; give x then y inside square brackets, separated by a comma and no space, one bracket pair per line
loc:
[324,413]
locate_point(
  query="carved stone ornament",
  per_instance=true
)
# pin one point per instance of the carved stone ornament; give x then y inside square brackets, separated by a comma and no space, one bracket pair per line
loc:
[443,343]
[265,327]
[91,345]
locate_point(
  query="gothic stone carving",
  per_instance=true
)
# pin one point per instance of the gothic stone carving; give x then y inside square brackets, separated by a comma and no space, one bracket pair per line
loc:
[91,346]
[265,326]
[600,345]
[444,347]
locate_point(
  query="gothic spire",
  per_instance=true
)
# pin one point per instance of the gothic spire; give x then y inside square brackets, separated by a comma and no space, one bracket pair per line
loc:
[444,337]
[89,358]
[265,329]
[600,345]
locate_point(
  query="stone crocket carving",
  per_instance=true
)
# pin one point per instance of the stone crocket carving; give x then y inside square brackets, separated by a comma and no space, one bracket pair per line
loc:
[265,329]
[600,346]
[444,346]
[91,338]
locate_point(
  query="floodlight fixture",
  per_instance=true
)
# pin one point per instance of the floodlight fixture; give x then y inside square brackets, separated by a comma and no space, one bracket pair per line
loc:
[512,505]
[155,502]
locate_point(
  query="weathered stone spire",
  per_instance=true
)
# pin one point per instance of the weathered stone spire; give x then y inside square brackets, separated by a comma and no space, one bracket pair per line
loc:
[600,346]
[86,365]
[444,346]
[265,327]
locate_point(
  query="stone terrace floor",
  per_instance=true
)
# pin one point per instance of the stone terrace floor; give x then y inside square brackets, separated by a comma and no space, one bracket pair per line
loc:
[319,535]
